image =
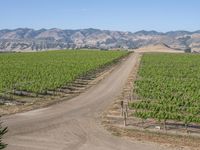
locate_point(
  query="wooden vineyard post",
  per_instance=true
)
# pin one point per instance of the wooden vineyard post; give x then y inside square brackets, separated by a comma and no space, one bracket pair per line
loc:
[122,107]
[131,93]
[186,128]
[165,128]
[126,110]
[125,119]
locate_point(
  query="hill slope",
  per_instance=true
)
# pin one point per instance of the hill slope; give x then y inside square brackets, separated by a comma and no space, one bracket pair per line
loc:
[158,48]
[29,39]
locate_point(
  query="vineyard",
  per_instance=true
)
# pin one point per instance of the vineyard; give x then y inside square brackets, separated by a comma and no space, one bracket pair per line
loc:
[43,71]
[168,88]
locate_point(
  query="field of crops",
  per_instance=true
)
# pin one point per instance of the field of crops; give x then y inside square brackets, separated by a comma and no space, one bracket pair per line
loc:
[42,71]
[168,88]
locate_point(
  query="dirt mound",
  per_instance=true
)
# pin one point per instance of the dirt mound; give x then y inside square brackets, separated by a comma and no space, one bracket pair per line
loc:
[158,48]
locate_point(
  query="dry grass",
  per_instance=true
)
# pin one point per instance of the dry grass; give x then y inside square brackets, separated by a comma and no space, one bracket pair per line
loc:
[173,141]
[157,48]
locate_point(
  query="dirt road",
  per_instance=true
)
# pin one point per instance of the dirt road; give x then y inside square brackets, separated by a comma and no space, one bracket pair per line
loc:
[74,124]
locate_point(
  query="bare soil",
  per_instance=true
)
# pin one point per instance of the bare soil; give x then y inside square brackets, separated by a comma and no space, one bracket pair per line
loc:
[157,48]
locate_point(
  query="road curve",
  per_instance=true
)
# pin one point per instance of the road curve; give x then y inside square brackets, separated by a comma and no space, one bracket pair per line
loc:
[74,124]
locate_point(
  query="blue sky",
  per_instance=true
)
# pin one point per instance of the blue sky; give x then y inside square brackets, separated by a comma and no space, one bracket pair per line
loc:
[124,15]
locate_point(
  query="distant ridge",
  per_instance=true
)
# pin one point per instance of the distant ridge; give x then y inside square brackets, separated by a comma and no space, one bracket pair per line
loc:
[158,48]
[25,39]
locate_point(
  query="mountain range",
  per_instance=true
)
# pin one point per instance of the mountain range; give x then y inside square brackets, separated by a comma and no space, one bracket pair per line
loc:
[25,39]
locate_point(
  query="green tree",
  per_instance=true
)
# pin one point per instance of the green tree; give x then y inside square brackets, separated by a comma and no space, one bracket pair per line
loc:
[3,131]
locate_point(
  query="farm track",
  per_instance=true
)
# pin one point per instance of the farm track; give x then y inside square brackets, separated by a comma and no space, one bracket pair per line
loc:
[23,101]
[75,124]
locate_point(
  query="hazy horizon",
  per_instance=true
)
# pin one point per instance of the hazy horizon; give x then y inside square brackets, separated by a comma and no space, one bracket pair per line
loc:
[98,29]
[126,15]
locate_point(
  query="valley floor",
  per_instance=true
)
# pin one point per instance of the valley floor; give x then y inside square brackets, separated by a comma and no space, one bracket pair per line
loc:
[76,124]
